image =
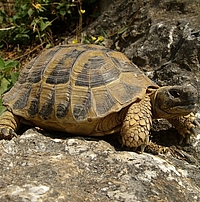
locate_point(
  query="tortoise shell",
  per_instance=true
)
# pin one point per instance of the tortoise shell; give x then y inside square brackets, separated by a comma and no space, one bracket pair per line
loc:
[74,87]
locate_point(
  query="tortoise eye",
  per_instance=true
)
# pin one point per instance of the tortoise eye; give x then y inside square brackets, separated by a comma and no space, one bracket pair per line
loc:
[174,93]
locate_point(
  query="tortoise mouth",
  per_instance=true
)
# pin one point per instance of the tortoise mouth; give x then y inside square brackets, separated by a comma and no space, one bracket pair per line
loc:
[175,111]
[182,108]
[182,105]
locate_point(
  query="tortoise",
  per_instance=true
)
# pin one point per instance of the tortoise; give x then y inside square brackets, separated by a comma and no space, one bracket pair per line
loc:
[91,90]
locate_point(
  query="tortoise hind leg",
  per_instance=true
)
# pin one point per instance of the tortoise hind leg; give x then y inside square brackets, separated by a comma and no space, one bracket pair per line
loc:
[9,123]
[137,124]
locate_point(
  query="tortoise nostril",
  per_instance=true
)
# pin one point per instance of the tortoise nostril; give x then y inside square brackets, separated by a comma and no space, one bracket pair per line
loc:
[174,93]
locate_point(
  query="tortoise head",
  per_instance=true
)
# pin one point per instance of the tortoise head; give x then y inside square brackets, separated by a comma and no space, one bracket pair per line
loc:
[173,101]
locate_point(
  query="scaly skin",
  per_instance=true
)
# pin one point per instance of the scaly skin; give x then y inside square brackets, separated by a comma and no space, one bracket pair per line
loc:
[186,126]
[138,121]
[137,124]
[9,123]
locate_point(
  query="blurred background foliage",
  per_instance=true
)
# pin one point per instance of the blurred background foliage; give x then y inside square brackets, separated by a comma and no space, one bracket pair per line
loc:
[43,21]
[27,26]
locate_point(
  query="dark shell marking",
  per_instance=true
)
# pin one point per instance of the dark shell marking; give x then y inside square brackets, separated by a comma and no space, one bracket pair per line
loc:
[76,83]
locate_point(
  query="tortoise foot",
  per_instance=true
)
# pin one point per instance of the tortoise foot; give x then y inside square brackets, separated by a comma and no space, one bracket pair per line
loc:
[187,126]
[7,133]
[8,125]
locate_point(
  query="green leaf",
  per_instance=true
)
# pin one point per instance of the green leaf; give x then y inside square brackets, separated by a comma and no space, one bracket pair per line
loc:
[63,12]
[21,37]
[9,64]
[48,45]
[1,19]
[2,64]
[44,25]
[122,30]
[30,12]
[14,77]
[23,6]
[4,85]
[2,109]
[103,33]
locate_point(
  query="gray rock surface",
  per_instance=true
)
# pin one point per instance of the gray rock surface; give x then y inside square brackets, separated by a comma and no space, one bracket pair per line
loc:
[163,39]
[35,167]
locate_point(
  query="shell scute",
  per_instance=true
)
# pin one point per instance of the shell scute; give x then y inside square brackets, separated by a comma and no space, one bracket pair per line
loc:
[103,101]
[81,109]
[61,66]
[63,101]
[48,106]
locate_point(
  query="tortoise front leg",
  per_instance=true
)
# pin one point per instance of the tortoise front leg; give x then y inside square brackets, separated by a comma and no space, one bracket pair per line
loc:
[186,126]
[137,124]
[9,123]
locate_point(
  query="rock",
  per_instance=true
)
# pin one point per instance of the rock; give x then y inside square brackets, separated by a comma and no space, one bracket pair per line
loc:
[35,167]
[163,39]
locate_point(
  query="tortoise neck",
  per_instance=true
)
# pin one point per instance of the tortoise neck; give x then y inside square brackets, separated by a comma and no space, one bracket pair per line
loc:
[155,109]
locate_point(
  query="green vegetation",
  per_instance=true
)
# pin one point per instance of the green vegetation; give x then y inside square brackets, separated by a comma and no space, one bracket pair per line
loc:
[8,77]
[32,22]
[41,22]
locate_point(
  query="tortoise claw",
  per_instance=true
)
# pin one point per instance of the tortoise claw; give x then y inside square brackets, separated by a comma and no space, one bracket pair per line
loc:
[196,123]
[142,148]
[8,134]
[4,132]
[194,129]
[12,133]
[194,132]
